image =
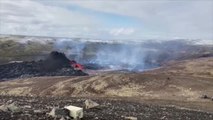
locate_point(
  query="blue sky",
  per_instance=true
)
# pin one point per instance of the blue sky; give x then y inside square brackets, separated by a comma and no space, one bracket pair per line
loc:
[109,19]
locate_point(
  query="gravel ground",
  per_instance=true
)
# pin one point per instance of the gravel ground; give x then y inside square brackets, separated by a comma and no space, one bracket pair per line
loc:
[36,108]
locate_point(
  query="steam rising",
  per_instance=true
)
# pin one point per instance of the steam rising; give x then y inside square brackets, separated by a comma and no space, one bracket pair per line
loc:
[129,56]
[121,56]
[109,55]
[70,47]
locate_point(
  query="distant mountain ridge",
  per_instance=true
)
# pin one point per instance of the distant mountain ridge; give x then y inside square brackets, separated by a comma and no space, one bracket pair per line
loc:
[153,52]
[43,39]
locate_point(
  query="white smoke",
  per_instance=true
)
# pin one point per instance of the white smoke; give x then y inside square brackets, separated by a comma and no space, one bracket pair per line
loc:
[73,49]
[109,55]
[121,56]
[133,56]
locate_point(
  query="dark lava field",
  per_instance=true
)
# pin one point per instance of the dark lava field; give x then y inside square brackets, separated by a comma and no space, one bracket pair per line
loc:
[56,64]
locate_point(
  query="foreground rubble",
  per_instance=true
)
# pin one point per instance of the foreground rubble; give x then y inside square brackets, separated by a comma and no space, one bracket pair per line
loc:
[38,108]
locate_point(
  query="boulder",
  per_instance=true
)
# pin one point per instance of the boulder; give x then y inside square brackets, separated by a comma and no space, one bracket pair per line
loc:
[90,104]
[59,113]
[14,108]
[10,108]
[75,112]
[4,108]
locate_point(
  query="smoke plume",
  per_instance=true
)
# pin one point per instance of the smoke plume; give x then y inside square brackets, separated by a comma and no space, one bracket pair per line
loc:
[130,56]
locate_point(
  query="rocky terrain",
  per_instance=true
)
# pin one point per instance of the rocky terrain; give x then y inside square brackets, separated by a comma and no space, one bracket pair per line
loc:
[187,79]
[38,108]
[179,86]
[185,85]
[56,64]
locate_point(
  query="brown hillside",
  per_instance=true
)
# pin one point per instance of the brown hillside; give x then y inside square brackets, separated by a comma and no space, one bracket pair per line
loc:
[178,81]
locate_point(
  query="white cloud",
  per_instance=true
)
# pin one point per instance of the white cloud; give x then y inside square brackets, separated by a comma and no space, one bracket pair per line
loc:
[159,19]
[33,18]
[121,31]
[166,18]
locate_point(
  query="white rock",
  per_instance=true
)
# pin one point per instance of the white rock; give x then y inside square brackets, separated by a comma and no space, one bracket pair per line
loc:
[58,112]
[130,118]
[62,118]
[75,112]
[37,111]
[3,108]
[10,108]
[27,106]
[52,112]
[13,108]
[90,104]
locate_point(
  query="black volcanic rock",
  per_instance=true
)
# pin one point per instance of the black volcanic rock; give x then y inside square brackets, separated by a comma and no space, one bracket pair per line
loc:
[56,64]
[55,61]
